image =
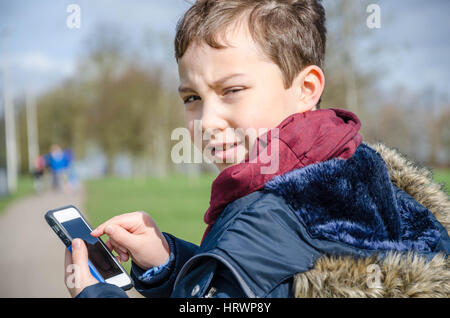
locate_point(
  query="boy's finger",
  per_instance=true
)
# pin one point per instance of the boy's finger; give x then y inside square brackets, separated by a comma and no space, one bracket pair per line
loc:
[80,256]
[120,237]
[109,245]
[99,230]
[126,221]
[124,257]
[116,246]
[122,254]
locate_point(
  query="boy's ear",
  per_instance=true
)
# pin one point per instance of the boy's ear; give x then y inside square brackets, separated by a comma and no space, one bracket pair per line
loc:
[311,82]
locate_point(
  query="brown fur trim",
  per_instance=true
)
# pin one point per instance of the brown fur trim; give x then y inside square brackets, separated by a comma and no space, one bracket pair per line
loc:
[399,275]
[417,182]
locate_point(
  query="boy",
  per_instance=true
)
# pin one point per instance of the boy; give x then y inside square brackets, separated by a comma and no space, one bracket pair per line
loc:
[247,64]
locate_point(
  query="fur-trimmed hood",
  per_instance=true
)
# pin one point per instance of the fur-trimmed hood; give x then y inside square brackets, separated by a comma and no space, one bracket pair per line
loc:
[397,274]
[338,228]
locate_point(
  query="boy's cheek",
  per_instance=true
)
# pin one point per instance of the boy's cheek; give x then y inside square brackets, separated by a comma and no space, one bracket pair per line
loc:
[190,128]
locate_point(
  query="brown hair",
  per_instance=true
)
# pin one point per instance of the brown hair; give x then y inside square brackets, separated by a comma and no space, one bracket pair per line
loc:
[291,33]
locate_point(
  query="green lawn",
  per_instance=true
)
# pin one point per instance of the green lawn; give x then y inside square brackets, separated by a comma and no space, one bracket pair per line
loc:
[442,177]
[24,187]
[177,204]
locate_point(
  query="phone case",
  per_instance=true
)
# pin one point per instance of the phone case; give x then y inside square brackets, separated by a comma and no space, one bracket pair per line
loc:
[65,238]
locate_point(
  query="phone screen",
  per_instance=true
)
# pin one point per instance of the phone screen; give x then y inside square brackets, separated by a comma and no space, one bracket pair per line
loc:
[98,256]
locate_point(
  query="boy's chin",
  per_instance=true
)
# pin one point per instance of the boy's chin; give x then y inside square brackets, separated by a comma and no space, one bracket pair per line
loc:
[223,166]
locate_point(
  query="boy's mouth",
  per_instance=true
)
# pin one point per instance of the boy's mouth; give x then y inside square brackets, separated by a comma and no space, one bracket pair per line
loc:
[223,151]
[221,147]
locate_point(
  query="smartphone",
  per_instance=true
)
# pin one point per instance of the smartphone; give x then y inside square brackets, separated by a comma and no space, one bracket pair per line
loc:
[68,223]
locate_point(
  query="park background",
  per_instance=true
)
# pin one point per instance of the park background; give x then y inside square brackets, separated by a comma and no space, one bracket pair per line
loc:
[107,89]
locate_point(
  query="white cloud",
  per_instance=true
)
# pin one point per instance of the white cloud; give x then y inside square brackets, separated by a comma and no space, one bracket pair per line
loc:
[41,63]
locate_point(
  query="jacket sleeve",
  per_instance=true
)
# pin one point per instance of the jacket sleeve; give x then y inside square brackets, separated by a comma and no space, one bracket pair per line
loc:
[159,284]
[102,290]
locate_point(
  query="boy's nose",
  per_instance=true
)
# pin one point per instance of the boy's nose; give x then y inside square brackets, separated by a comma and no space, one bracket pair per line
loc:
[212,120]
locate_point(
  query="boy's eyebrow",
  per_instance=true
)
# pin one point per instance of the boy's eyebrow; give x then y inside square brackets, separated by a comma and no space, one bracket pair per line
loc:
[184,89]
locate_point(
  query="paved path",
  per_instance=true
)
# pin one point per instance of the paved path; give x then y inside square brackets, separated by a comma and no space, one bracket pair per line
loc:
[31,256]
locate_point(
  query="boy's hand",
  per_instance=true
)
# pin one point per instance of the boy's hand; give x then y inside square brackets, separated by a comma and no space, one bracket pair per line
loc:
[77,273]
[136,235]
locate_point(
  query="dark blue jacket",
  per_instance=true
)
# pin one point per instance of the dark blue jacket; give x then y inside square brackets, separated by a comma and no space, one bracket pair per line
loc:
[260,241]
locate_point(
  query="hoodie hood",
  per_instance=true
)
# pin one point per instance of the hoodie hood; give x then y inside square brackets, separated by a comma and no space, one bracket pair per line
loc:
[331,224]
[301,139]
[355,202]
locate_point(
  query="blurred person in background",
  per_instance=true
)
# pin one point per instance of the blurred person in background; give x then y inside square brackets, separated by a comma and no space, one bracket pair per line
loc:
[39,165]
[60,163]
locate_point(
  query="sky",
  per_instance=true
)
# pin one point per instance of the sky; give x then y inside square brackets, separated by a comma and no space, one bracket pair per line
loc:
[417,37]
[41,50]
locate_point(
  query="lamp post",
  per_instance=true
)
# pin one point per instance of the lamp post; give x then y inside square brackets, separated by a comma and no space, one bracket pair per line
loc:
[10,124]
[32,130]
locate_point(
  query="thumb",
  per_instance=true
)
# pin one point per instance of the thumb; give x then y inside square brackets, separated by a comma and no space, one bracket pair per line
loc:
[121,236]
[80,255]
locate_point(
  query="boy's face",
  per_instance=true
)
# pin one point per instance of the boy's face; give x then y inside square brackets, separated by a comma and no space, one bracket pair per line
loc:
[234,87]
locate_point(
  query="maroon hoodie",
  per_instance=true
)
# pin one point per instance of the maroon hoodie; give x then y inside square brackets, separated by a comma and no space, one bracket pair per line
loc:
[303,139]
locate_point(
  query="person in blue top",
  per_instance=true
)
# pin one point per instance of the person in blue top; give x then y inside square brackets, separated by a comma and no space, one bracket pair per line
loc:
[333,208]
[57,162]
[60,163]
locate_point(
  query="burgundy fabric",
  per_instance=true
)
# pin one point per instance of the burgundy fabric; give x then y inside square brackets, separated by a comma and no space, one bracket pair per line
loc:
[304,139]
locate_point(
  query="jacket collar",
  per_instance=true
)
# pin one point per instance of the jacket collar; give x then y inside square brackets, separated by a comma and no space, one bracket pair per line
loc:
[355,202]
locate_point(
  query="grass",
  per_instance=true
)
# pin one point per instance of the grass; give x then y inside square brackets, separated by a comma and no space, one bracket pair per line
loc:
[177,204]
[24,188]
[442,177]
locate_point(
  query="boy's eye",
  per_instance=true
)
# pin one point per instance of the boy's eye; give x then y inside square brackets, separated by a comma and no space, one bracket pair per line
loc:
[190,99]
[233,90]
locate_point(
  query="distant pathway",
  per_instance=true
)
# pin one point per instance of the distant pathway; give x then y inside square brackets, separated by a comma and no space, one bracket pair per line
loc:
[31,255]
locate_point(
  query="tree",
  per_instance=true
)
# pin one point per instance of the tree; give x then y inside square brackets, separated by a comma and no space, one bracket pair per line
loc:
[116,101]
[350,83]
